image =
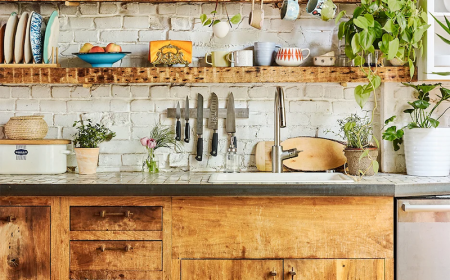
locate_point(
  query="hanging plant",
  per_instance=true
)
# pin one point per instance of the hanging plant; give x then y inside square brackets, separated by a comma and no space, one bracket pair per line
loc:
[220,28]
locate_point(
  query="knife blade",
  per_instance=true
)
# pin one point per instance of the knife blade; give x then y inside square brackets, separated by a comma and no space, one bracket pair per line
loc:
[199,156]
[213,122]
[231,121]
[187,128]
[178,128]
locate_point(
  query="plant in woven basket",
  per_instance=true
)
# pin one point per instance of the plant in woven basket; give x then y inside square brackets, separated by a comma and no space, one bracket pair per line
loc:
[360,152]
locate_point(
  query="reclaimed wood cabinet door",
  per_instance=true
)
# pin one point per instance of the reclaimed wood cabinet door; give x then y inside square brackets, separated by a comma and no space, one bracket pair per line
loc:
[334,269]
[24,243]
[232,269]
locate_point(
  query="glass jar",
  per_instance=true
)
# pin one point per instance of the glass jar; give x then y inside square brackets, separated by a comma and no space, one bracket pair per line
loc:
[232,160]
[344,61]
[374,59]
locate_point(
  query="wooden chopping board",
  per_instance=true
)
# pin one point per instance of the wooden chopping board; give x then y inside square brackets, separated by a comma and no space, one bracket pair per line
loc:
[318,154]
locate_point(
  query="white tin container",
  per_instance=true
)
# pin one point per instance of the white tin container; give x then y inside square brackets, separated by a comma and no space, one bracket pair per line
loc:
[33,156]
[427,152]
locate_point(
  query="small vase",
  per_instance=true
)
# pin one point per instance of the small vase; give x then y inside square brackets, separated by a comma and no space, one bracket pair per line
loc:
[151,164]
[221,29]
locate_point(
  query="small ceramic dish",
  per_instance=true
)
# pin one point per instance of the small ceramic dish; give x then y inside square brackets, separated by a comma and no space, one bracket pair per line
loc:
[101,59]
[324,60]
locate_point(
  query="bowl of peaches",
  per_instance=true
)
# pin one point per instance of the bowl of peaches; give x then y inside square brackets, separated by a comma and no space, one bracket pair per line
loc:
[101,56]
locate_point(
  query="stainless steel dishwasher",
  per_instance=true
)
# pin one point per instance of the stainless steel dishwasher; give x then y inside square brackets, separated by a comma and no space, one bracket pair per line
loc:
[423,238]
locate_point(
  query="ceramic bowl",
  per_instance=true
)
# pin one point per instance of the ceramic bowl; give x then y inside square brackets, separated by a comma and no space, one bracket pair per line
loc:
[397,62]
[324,60]
[101,59]
[291,56]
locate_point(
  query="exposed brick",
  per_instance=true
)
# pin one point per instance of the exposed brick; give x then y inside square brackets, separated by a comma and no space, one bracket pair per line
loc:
[142,105]
[101,91]
[53,106]
[120,91]
[84,36]
[60,92]
[159,92]
[7,104]
[147,8]
[135,22]
[181,24]
[65,120]
[167,9]
[20,92]
[88,106]
[140,91]
[108,8]
[80,92]
[65,36]
[26,105]
[119,36]
[81,23]
[5,92]
[120,105]
[89,8]
[8,8]
[40,92]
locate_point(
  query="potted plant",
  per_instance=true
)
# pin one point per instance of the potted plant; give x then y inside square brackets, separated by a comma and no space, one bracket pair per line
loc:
[361,154]
[427,152]
[86,142]
[220,28]
[160,137]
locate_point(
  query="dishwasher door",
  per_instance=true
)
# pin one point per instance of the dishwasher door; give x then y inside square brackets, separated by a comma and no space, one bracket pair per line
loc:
[423,239]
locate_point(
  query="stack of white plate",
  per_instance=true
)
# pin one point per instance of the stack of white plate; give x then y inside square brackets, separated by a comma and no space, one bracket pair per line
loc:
[26,39]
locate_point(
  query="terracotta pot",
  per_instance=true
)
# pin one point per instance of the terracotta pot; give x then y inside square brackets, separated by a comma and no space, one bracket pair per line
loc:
[354,164]
[87,159]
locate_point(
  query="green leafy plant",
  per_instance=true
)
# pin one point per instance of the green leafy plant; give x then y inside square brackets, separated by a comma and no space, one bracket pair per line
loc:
[212,21]
[358,133]
[395,27]
[91,135]
[446,27]
[421,116]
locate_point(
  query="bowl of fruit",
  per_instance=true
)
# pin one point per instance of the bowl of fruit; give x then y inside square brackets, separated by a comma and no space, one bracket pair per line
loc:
[99,56]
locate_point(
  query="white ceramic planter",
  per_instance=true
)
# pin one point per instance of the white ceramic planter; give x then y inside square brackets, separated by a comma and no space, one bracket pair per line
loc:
[221,29]
[427,152]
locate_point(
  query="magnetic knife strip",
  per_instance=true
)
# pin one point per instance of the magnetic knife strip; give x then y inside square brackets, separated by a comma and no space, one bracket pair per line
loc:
[241,113]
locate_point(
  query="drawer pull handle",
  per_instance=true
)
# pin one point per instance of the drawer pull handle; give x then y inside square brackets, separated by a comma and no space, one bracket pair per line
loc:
[9,219]
[127,248]
[292,273]
[104,214]
[273,273]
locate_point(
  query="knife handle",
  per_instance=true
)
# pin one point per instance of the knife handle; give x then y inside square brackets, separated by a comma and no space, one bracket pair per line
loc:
[215,143]
[187,133]
[178,131]
[234,141]
[199,155]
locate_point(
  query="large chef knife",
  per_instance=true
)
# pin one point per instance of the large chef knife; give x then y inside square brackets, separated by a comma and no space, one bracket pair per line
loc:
[178,116]
[231,121]
[187,129]
[199,156]
[213,122]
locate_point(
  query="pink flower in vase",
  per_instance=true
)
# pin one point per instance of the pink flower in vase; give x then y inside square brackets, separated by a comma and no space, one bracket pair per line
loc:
[144,141]
[151,143]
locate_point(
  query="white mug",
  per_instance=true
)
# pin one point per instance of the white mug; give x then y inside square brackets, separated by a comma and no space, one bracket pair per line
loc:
[241,58]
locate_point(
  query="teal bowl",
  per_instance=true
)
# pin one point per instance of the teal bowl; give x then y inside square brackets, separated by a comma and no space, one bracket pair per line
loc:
[101,59]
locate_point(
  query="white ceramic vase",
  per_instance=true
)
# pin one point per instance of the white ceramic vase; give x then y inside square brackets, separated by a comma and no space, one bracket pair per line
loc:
[221,29]
[447,4]
[427,152]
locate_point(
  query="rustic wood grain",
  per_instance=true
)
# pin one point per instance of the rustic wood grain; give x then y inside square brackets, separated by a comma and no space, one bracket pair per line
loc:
[342,269]
[258,74]
[144,255]
[231,269]
[120,201]
[116,275]
[282,227]
[167,238]
[389,271]
[116,235]
[60,237]
[142,218]
[25,201]
[25,243]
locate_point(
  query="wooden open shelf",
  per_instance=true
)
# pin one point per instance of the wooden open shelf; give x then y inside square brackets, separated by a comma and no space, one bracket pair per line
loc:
[176,1]
[124,75]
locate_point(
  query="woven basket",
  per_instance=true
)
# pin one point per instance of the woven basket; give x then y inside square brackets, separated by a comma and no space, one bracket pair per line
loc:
[354,164]
[26,128]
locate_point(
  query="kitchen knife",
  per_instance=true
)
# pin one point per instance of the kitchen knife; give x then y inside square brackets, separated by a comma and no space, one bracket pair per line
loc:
[199,156]
[187,129]
[178,116]
[231,121]
[213,122]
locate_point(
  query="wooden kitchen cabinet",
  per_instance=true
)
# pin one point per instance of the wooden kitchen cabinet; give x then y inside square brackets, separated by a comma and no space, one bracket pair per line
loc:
[232,269]
[334,269]
[24,243]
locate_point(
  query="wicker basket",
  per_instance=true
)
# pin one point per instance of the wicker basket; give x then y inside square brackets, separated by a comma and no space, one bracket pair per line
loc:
[26,128]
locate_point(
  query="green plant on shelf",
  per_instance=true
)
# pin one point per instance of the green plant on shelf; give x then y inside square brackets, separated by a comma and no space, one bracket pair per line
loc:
[91,135]
[446,28]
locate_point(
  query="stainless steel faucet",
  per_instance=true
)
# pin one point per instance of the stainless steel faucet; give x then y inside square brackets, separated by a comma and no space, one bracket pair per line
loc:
[278,154]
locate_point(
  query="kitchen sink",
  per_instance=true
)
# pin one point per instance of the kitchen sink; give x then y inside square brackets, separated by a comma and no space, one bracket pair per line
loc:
[310,177]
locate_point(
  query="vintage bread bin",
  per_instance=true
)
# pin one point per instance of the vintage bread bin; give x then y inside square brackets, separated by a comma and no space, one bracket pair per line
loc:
[33,156]
[170,52]
[26,128]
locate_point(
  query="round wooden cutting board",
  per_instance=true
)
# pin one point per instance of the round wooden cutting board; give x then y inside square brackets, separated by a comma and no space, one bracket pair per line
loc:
[319,154]
[35,142]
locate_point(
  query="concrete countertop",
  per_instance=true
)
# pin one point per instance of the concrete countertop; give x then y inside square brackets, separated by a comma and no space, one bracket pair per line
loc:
[196,184]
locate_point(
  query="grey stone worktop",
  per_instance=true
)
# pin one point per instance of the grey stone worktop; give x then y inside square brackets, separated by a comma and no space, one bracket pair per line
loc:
[196,184]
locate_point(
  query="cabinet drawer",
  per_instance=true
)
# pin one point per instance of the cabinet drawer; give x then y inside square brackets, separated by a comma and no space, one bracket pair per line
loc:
[117,218]
[101,259]
[232,269]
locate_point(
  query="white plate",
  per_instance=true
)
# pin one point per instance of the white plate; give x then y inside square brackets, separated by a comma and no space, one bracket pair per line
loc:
[20,38]
[51,36]
[10,33]
[27,53]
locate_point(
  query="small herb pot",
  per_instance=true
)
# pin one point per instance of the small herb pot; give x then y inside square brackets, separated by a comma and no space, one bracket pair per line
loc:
[355,165]
[87,159]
